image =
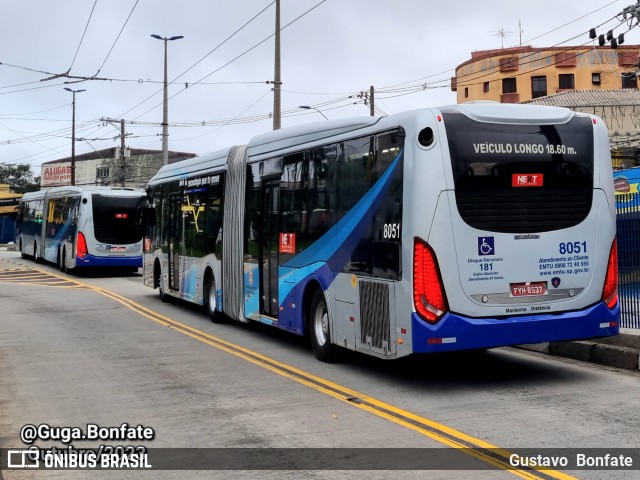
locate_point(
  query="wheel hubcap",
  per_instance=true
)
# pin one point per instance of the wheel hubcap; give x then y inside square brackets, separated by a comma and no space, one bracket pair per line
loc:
[321,324]
[212,299]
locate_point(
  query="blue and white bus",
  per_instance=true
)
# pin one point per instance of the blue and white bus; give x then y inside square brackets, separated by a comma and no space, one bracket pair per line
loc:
[82,226]
[465,227]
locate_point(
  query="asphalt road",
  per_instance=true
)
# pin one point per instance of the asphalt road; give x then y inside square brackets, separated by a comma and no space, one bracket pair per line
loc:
[103,350]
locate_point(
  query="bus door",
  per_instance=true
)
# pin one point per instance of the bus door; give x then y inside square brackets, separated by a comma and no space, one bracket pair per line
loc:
[269,247]
[175,239]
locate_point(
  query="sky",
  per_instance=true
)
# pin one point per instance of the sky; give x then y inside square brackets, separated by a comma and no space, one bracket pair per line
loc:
[331,51]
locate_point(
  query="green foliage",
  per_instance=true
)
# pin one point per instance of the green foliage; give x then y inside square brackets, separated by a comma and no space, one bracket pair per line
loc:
[20,177]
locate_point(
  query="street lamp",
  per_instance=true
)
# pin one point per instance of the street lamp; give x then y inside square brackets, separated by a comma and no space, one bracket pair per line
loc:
[307,107]
[73,134]
[165,101]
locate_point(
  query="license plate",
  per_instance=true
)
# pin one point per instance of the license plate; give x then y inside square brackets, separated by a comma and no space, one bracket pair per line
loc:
[528,289]
[117,249]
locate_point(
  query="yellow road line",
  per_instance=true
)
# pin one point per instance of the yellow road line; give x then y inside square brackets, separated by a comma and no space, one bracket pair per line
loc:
[467,444]
[36,277]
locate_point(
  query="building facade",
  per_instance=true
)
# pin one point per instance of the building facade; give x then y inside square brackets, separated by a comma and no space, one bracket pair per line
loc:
[108,167]
[9,201]
[520,74]
[620,110]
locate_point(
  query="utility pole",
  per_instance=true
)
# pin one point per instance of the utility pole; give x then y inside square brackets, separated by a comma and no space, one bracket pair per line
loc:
[165,101]
[371,101]
[631,15]
[123,166]
[276,75]
[122,147]
[73,135]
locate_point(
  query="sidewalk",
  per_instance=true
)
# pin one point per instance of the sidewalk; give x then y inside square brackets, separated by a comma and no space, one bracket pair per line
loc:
[11,248]
[621,351]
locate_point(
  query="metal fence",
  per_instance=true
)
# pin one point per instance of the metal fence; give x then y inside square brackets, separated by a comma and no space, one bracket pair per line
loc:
[628,223]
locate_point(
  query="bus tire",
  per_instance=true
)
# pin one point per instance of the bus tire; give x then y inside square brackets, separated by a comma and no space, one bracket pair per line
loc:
[22,253]
[319,329]
[63,261]
[36,256]
[210,300]
[164,296]
[157,272]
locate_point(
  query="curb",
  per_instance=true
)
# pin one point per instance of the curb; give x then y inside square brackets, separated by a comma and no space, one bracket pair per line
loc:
[621,351]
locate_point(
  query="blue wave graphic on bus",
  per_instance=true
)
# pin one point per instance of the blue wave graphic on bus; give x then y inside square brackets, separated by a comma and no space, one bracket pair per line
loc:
[59,231]
[336,246]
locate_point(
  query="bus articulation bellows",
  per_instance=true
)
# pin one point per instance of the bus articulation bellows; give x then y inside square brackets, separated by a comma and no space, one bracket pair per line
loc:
[463,227]
[82,226]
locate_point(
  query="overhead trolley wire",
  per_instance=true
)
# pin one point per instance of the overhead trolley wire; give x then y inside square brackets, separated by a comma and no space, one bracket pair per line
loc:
[83,34]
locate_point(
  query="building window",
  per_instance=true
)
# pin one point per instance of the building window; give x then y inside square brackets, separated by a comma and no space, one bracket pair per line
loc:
[629,80]
[509,85]
[102,172]
[538,86]
[566,81]
[485,87]
[466,92]
[595,78]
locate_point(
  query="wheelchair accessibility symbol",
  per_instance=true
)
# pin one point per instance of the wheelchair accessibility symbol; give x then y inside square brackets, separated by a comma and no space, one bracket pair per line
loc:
[486,246]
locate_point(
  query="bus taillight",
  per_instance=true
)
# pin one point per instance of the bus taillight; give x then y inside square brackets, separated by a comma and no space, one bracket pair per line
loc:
[610,290]
[428,292]
[81,246]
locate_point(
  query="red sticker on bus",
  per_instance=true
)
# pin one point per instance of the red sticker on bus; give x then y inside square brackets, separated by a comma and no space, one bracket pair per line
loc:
[527,179]
[287,243]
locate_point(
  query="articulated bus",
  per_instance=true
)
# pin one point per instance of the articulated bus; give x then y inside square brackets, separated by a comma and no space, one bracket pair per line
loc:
[77,227]
[465,227]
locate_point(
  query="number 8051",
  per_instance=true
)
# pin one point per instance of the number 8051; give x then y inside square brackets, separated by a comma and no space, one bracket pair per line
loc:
[572,247]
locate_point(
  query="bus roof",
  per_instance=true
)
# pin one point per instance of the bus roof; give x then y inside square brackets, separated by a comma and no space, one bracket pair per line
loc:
[79,189]
[291,137]
[494,112]
[302,134]
[201,165]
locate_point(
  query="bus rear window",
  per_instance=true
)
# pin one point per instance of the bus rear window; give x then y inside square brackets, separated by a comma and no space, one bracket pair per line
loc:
[521,178]
[114,219]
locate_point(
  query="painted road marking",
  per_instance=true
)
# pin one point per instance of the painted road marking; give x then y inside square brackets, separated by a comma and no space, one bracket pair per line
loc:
[32,276]
[467,444]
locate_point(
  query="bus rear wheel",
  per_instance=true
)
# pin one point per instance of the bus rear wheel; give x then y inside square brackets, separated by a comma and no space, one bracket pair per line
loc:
[320,330]
[210,300]
[63,261]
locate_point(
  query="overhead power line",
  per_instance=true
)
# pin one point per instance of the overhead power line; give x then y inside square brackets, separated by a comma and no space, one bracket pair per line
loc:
[83,34]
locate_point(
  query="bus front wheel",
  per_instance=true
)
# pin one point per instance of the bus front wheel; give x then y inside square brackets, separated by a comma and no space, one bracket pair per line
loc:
[210,300]
[36,256]
[164,297]
[319,329]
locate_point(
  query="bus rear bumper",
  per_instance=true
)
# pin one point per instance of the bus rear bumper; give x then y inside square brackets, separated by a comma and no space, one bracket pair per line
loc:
[94,261]
[457,332]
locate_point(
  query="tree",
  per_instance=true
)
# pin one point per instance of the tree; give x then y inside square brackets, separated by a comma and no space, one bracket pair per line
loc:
[19,177]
